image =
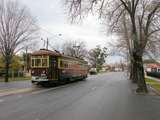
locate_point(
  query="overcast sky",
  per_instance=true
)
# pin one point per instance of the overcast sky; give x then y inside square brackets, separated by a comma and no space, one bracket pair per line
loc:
[52,18]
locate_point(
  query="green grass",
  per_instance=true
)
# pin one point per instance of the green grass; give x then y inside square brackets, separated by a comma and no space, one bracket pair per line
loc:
[157,86]
[153,83]
[16,79]
[150,80]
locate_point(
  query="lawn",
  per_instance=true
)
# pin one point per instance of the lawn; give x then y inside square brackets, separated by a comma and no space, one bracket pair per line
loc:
[153,83]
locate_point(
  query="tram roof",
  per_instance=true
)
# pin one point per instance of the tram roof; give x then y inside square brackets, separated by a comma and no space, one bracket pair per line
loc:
[46,52]
[54,53]
[73,58]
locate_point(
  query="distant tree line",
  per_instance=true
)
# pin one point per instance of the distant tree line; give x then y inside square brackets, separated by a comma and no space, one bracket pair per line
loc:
[96,57]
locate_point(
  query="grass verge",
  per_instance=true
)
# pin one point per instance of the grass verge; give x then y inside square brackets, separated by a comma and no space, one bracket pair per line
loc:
[153,83]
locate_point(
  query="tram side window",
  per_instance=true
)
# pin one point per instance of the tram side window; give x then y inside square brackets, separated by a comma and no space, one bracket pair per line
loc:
[44,62]
[64,64]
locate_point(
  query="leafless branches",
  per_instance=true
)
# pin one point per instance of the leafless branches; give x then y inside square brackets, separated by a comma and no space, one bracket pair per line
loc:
[140,18]
[17,26]
[75,49]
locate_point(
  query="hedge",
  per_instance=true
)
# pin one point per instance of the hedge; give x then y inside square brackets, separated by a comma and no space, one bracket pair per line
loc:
[154,74]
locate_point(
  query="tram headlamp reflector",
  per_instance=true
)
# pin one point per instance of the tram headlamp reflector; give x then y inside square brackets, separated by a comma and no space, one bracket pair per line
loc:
[32,72]
[43,71]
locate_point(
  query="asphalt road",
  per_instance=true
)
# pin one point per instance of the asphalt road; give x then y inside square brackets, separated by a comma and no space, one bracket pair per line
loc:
[102,97]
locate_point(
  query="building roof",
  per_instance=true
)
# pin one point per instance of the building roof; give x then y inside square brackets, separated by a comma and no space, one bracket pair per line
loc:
[153,65]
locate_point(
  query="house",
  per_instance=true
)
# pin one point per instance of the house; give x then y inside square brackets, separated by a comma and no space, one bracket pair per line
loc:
[152,67]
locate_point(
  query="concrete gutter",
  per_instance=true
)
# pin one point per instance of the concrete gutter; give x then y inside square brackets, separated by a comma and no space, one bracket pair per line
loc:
[16,91]
[153,78]
[157,92]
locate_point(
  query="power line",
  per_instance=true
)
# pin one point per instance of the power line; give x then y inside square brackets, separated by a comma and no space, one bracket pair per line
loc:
[46,42]
[52,34]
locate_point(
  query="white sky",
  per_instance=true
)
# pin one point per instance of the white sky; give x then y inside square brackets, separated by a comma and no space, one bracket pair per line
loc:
[52,17]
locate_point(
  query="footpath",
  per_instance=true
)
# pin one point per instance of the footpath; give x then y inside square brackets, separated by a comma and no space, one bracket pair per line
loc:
[16,87]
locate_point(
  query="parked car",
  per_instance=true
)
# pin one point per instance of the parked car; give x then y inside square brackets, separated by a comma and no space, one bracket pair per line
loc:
[93,71]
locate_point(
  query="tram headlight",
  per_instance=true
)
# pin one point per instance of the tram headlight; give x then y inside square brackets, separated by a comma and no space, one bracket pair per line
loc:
[32,72]
[43,72]
[63,71]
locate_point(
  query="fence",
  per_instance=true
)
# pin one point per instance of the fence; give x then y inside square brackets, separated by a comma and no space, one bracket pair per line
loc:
[154,74]
[12,73]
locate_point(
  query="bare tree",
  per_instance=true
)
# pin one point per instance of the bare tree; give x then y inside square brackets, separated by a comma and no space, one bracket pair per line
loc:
[17,26]
[28,47]
[75,49]
[143,20]
[124,44]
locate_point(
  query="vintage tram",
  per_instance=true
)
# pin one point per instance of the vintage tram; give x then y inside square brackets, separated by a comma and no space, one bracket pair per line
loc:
[51,67]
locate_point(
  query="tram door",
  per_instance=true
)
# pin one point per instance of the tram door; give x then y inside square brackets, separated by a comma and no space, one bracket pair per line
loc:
[54,67]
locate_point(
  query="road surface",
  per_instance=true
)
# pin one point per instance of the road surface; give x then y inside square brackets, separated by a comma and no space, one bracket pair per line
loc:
[107,96]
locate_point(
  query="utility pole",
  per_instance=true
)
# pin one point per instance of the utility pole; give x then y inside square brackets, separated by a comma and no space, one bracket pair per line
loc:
[47,44]
[76,47]
[26,61]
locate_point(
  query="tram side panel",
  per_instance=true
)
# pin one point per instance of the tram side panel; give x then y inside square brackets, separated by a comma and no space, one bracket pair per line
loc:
[70,70]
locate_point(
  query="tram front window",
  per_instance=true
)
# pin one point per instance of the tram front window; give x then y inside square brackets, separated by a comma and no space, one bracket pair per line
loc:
[40,61]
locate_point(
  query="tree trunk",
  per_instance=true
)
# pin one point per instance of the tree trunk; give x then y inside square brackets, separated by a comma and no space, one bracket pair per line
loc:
[6,71]
[140,74]
[131,71]
[133,74]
